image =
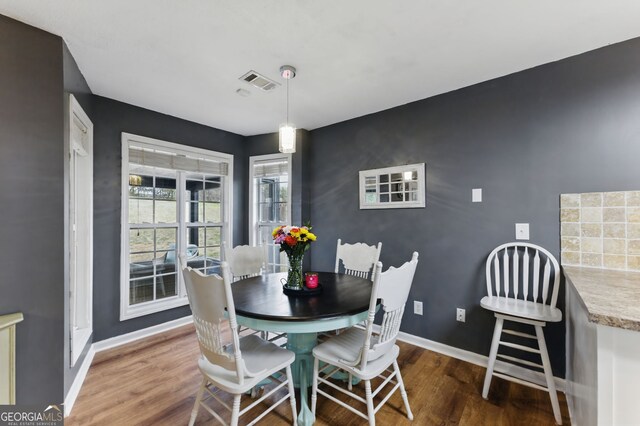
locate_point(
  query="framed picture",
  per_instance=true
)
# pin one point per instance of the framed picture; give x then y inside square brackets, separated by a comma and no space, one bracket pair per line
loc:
[398,187]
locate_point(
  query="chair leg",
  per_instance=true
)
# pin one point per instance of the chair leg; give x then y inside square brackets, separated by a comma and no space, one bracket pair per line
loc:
[314,387]
[235,410]
[370,411]
[551,385]
[292,395]
[350,384]
[497,331]
[196,406]
[403,392]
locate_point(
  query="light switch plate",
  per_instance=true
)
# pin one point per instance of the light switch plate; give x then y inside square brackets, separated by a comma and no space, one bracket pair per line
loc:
[522,231]
[476,195]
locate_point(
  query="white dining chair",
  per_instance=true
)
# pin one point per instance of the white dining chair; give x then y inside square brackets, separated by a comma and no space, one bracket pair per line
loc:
[357,259]
[522,286]
[228,362]
[245,261]
[366,355]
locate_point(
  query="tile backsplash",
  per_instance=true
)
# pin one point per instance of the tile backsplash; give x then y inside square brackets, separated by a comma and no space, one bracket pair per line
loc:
[601,229]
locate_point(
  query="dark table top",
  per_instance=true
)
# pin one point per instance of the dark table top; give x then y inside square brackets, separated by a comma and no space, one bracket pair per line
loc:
[262,298]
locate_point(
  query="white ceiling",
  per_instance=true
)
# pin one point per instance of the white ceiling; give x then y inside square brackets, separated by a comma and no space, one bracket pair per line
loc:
[354,57]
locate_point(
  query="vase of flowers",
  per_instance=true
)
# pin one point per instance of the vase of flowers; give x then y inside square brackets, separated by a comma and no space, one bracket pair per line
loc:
[295,241]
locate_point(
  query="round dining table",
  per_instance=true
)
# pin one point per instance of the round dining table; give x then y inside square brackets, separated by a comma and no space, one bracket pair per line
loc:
[261,304]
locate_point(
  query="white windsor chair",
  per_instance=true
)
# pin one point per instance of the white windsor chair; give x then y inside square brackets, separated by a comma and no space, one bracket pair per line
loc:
[365,355]
[228,362]
[520,289]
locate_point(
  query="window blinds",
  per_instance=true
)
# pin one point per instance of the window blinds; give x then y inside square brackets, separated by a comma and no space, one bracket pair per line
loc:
[270,168]
[176,161]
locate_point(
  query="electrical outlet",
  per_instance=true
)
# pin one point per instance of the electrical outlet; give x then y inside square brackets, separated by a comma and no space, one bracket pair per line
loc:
[460,315]
[417,307]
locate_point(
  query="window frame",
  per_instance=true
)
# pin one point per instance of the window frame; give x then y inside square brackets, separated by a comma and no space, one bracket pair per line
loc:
[253,208]
[128,311]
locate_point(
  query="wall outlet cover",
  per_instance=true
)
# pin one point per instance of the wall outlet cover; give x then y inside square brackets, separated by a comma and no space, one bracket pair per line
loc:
[476,195]
[522,231]
[417,307]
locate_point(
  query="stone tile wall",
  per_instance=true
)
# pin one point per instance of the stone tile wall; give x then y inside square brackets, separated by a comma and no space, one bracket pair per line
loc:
[601,229]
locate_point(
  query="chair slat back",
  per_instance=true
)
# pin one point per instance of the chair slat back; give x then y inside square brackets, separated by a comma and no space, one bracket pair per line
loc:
[358,259]
[246,261]
[214,317]
[511,264]
[392,287]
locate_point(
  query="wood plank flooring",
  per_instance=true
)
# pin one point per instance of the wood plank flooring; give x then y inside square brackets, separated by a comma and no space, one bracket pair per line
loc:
[154,382]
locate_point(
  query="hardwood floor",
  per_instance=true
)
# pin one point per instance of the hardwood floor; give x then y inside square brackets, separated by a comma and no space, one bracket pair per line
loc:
[154,382]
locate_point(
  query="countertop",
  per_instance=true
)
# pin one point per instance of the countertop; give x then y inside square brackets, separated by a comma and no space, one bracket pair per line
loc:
[612,298]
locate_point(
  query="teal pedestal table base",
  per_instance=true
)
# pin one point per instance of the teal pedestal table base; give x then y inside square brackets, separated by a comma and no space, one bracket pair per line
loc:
[301,339]
[302,345]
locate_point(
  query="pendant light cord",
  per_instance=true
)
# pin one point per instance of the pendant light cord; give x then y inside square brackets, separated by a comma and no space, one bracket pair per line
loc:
[288,101]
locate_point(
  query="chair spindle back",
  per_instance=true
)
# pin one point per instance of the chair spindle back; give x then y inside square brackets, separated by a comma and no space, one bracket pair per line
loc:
[523,271]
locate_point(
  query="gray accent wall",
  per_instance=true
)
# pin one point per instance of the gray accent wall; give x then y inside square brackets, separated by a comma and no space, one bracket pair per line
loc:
[31,205]
[110,119]
[571,126]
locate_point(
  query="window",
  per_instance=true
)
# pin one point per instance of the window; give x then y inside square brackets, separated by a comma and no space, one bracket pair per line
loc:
[393,187]
[176,200]
[270,200]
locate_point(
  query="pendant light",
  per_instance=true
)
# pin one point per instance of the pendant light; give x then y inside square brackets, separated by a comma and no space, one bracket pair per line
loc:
[287,130]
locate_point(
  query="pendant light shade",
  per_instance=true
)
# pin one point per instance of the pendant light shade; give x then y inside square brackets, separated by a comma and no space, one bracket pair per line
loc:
[287,134]
[287,138]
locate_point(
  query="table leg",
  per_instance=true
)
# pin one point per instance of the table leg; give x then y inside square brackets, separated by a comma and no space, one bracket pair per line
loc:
[302,345]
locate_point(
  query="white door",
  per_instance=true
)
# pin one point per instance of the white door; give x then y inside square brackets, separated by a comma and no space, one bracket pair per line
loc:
[80,228]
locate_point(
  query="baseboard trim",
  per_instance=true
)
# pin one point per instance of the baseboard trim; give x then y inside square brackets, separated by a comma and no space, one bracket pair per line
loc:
[123,339]
[74,390]
[111,343]
[481,360]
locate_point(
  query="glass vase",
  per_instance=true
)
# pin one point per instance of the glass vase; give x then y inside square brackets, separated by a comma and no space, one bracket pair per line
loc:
[294,275]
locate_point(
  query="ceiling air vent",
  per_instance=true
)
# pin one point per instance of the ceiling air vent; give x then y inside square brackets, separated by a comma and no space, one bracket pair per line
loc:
[259,81]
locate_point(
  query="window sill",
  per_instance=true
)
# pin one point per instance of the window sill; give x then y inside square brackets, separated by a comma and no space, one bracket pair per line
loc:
[135,311]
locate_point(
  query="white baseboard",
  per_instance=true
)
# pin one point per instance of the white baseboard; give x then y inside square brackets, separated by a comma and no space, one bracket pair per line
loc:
[123,339]
[481,360]
[111,343]
[74,390]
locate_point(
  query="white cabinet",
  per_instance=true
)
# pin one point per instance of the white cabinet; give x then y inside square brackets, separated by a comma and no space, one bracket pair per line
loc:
[603,347]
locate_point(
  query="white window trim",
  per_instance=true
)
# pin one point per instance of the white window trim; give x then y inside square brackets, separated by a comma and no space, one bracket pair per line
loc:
[252,208]
[420,203]
[80,337]
[127,311]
